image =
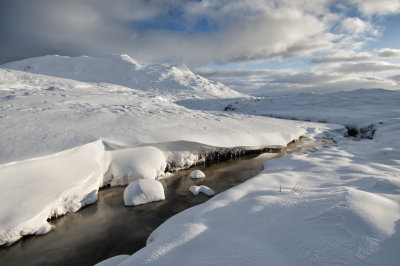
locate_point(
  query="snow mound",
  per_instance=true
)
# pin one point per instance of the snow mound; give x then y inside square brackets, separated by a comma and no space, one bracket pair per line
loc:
[127,165]
[173,82]
[40,188]
[197,174]
[203,189]
[143,191]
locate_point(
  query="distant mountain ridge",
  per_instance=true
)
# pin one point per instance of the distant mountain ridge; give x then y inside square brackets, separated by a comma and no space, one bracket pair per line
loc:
[171,81]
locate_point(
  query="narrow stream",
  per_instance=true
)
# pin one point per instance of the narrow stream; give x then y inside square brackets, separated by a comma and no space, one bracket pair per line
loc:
[108,228]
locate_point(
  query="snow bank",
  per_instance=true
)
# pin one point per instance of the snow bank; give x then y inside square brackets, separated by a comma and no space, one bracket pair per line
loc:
[196,174]
[343,210]
[203,189]
[127,165]
[34,190]
[143,191]
[113,260]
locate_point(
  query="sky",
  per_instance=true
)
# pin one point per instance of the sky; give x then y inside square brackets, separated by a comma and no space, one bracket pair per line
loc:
[254,46]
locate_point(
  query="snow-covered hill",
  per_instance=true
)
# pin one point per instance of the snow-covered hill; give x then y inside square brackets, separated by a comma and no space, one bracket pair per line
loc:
[172,82]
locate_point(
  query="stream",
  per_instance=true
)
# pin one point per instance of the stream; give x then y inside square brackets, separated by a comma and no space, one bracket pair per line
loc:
[108,228]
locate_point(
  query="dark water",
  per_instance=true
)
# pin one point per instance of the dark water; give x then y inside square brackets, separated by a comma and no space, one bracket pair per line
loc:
[108,228]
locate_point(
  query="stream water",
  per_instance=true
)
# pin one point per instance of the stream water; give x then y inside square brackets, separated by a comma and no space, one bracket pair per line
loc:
[108,228]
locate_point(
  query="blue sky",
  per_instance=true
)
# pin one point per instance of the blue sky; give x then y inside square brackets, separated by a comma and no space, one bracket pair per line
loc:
[252,45]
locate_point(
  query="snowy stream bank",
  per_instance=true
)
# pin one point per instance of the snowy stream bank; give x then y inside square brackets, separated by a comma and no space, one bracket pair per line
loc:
[107,228]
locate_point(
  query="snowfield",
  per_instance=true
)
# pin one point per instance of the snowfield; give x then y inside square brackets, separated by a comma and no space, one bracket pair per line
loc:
[62,139]
[337,206]
[72,125]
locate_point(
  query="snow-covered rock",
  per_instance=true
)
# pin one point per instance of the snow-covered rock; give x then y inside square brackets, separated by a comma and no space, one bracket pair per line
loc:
[143,191]
[203,189]
[127,165]
[196,174]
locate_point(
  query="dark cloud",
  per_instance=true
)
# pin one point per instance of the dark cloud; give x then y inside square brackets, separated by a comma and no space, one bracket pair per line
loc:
[389,53]
[395,78]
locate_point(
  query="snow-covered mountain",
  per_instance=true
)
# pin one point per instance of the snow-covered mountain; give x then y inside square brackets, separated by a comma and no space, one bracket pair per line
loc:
[172,82]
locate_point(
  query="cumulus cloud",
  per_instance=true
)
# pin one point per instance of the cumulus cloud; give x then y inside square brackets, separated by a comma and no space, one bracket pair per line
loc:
[380,7]
[357,26]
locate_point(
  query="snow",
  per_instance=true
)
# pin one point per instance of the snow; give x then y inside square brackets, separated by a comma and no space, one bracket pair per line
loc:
[337,206]
[75,113]
[113,260]
[203,189]
[63,139]
[357,108]
[127,165]
[196,174]
[39,188]
[143,191]
[72,125]
[172,82]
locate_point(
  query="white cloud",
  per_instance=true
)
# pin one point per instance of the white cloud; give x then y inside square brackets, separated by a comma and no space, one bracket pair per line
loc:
[357,26]
[357,67]
[264,81]
[349,56]
[379,7]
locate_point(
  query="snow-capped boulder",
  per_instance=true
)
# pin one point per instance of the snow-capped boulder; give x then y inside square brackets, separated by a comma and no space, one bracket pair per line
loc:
[196,174]
[143,191]
[203,189]
[135,163]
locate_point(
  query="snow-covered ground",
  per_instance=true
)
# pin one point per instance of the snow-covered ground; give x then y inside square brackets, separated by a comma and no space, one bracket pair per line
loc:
[339,205]
[355,109]
[62,139]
